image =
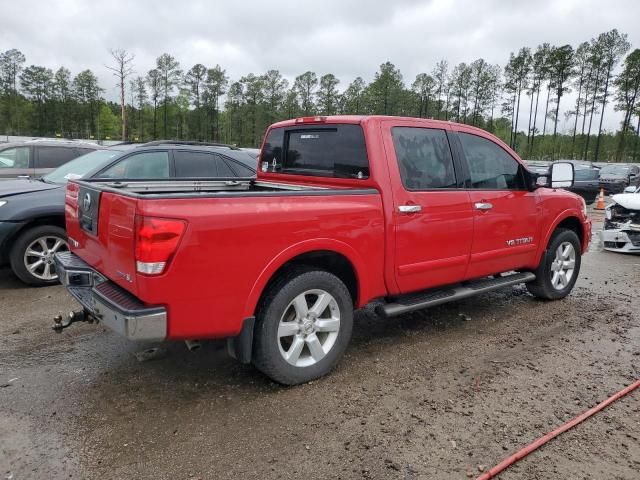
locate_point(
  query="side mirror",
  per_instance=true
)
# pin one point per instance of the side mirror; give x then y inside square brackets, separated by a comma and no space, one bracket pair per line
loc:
[630,189]
[562,174]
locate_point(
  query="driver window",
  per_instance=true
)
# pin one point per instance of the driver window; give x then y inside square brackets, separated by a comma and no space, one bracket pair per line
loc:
[140,166]
[490,166]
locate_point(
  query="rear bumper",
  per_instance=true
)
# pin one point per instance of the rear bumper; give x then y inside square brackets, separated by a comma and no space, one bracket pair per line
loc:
[108,303]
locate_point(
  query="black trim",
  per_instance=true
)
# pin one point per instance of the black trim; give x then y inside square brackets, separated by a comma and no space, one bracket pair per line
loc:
[222,194]
[459,160]
[104,291]
[240,347]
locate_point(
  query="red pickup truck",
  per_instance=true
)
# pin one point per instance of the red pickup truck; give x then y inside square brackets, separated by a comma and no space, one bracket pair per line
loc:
[346,211]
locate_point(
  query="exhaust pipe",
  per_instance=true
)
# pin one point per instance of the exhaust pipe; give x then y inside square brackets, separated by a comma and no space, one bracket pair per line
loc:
[192,345]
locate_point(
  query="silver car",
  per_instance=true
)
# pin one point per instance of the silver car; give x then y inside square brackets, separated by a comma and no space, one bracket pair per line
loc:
[38,157]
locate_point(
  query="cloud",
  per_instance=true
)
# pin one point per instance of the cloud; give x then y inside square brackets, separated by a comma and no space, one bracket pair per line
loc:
[347,38]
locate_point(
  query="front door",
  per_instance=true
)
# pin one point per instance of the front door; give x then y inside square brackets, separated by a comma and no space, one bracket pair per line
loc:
[433,219]
[16,162]
[506,226]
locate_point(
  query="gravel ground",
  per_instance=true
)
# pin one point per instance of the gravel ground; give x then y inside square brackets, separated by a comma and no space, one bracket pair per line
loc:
[442,394]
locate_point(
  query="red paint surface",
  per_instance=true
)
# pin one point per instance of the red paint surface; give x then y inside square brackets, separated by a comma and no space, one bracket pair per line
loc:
[232,246]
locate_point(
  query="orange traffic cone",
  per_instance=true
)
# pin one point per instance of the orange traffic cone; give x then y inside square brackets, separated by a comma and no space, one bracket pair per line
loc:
[600,204]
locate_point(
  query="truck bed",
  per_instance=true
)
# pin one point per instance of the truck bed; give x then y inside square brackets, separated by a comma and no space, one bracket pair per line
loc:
[237,234]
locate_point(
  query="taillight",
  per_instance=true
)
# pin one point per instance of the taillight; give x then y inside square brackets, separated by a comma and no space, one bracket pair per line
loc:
[156,241]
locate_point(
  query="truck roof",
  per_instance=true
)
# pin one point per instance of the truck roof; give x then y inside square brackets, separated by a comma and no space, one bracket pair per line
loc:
[357,119]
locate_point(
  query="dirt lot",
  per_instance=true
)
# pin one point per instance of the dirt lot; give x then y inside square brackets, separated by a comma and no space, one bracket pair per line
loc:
[438,394]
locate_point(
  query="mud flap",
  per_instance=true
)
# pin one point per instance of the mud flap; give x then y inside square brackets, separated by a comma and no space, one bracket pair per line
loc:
[240,346]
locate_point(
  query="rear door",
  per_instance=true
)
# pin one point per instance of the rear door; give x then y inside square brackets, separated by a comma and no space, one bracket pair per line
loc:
[432,214]
[16,162]
[506,214]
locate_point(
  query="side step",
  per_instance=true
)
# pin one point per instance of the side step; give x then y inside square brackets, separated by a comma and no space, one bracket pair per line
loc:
[431,298]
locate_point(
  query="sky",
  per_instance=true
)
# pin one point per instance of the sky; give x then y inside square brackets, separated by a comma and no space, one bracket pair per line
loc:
[348,38]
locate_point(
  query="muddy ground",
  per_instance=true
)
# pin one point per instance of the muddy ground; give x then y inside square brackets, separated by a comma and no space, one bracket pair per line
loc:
[439,394]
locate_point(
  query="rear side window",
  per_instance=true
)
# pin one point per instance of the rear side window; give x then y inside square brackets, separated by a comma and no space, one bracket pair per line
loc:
[200,165]
[424,158]
[491,167]
[327,151]
[18,157]
[53,157]
[140,166]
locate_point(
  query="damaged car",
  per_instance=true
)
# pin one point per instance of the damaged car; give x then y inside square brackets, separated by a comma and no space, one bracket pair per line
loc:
[622,222]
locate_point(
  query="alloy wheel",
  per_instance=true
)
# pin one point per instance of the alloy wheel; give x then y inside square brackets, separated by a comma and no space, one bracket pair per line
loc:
[309,328]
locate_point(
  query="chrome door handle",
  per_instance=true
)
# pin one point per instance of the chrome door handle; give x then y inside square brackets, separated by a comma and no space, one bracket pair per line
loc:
[483,206]
[409,208]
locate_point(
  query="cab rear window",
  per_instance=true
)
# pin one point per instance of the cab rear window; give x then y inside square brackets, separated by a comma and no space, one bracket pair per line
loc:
[326,151]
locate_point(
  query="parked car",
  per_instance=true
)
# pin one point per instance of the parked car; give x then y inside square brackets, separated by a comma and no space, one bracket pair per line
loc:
[621,231]
[614,178]
[586,182]
[32,227]
[38,157]
[346,211]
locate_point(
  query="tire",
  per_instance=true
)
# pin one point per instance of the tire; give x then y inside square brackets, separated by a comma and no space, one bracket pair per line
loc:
[547,285]
[35,240]
[281,326]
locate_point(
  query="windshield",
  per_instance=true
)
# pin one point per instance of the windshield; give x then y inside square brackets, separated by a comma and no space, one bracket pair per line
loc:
[615,170]
[78,167]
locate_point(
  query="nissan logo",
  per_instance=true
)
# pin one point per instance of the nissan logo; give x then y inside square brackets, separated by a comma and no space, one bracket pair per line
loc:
[86,201]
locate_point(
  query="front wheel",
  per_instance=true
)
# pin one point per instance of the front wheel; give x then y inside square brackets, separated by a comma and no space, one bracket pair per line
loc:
[303,326]
[559,267]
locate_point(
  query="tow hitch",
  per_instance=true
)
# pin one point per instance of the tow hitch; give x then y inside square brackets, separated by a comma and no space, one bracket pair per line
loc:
[72,317]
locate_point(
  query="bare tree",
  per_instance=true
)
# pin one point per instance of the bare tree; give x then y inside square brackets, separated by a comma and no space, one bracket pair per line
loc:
[122,69]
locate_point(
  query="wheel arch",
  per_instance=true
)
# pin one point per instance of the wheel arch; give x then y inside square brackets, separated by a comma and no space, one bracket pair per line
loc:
[39,221]
[331,255]
[570,220]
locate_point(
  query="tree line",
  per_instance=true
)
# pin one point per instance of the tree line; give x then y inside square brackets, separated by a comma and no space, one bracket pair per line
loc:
[203,103]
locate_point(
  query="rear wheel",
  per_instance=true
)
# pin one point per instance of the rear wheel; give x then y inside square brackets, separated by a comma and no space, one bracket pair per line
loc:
[559,267]
[31,257]
[303,326]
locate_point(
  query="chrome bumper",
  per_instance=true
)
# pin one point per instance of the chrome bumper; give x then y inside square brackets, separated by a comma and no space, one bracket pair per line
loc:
[108,303]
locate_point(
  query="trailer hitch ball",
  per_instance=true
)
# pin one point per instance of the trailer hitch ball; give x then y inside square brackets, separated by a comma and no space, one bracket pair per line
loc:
[59,324]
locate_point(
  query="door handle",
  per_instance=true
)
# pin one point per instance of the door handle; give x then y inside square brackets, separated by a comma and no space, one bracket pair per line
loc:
[483,206]
[409,208]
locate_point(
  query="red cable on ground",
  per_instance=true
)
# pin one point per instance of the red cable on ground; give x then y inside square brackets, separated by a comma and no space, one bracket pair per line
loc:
[519,455]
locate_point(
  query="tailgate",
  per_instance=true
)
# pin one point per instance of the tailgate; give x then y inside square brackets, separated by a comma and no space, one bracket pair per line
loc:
[101,230]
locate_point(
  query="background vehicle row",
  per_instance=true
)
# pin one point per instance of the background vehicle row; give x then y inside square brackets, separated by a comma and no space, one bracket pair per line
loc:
[32,225]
